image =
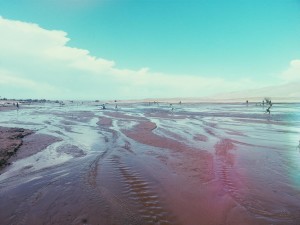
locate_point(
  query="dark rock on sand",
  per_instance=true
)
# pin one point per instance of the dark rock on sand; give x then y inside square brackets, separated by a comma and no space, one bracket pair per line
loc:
[10,142]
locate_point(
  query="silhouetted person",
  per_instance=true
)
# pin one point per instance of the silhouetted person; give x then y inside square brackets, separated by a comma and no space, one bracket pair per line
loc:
[247,102]
[103,106]
[268,109]
[17,105]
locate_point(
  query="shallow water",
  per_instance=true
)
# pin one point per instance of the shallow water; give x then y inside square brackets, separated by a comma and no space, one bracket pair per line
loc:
[199,164]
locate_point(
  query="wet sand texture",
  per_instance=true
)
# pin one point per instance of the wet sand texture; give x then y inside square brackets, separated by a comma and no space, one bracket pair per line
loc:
[141,164]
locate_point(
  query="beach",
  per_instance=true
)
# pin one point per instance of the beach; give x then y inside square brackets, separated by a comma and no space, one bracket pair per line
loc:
[146,163]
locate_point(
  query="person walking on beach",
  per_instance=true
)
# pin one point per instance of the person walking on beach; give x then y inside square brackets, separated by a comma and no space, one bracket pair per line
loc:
[268,109]
[17,105]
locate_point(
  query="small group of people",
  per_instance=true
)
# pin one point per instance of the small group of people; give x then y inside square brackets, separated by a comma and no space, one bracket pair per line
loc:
[104,107]
[267,102]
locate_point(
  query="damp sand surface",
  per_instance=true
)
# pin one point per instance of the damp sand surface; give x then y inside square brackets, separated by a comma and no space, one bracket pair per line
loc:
[142,164]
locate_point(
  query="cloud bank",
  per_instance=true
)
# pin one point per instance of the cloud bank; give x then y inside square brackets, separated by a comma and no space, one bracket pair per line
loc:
[293,72]
[38,63]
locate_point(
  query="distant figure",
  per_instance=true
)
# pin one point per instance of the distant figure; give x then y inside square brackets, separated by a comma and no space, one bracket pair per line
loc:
[247,102]
[116,106]
[268,109]
[180,103]
[103,106]
[172,108]
[17,105]
[263,103]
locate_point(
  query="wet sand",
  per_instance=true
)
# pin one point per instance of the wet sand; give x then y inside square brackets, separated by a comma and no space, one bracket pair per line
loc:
[204,164]
[7,108]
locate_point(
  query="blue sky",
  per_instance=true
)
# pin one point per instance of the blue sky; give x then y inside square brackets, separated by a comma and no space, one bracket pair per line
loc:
[229,40]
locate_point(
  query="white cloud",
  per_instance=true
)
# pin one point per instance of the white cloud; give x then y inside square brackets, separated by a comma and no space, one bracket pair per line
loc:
[293,72]
[10,83]
[36,62]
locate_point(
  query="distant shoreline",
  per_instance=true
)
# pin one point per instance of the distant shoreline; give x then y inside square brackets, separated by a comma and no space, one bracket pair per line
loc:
[9,104]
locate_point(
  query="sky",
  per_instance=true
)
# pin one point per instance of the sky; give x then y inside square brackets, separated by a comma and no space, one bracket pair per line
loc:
[133,49]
